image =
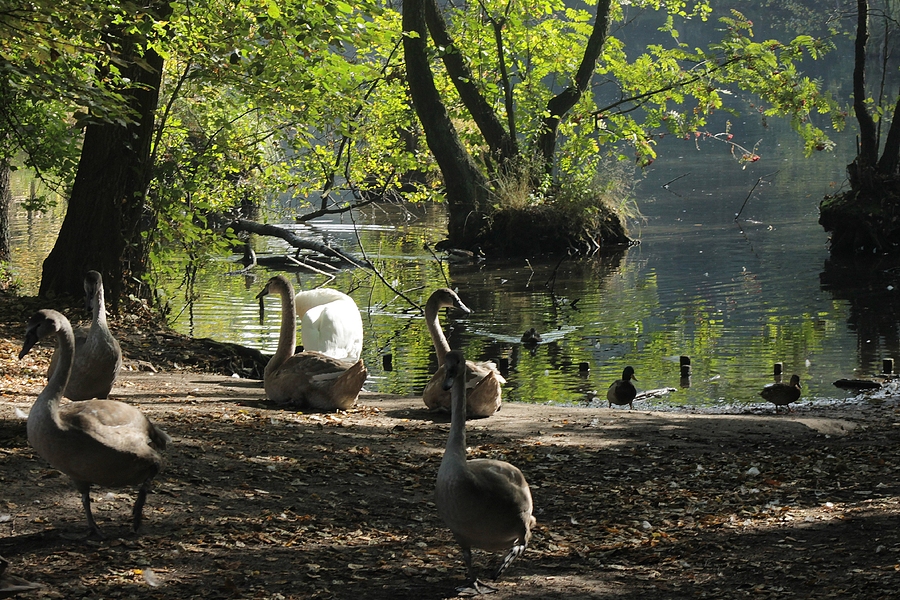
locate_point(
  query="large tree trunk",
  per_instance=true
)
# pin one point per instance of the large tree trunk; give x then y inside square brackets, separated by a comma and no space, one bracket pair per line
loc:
[101,230]
[889,163]
[466,187]
[563,102]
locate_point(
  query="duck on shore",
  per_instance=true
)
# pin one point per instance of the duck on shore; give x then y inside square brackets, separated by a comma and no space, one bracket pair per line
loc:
[622,391]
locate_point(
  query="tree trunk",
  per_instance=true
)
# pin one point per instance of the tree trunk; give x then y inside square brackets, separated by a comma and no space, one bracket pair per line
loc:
[868,136]
[503,146]
[5,203]
[466,187]
[101,230]
[563,102]
[889,163]
[866,218]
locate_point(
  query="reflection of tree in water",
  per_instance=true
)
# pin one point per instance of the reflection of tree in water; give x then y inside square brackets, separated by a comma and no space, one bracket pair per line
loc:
[557,289]
[870,286]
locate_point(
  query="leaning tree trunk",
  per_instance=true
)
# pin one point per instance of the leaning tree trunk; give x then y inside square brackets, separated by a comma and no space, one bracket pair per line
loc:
[889,163]
[562,103]
[502,144]
[466,187]
[101,230]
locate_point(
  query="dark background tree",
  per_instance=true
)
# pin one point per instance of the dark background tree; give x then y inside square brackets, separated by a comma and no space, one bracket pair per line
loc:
[866,218]
[101,230]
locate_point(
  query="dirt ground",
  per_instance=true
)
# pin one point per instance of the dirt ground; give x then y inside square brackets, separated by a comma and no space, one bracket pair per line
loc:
[260,502]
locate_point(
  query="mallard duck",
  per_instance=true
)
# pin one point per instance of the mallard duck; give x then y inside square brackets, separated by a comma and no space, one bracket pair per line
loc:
[531,337]
[622,391]
[782,394]
[102,442]
[98,357]
[330,323]
[483,379]
[309,379]
[460,255]
[486,503]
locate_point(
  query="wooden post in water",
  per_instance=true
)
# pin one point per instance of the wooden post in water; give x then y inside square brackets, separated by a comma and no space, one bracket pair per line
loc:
[504,366]
[887,366]
[387,362]
[685,366]
[685,362]
[778,371]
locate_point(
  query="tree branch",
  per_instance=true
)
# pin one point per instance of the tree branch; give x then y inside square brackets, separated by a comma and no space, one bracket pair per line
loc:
[333,211]
[563,102]
[296,241]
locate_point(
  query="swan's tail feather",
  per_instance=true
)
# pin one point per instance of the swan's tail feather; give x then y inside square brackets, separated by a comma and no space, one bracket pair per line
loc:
[350,383]
[159,438]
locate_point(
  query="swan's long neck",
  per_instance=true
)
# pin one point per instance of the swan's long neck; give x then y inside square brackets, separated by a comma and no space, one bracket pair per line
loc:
[99,308]
[456,441]
[287,340]
[48,400]
[441,345]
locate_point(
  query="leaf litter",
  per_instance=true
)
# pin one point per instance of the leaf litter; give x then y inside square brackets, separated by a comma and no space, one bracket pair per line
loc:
[259,502]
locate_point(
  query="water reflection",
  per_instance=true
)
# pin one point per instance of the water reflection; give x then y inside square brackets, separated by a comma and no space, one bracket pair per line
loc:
[869,286]
[736,297]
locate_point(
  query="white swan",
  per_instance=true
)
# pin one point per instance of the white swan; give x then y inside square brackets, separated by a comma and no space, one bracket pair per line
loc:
[102,442]
[98,357]
[485,503]
[308,379]
[483,379]
[330,323]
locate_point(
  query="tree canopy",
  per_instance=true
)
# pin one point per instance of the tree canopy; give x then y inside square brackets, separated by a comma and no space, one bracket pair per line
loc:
[260,100]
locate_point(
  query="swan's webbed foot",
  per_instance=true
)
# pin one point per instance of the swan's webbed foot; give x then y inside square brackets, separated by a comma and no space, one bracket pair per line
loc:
[475,587]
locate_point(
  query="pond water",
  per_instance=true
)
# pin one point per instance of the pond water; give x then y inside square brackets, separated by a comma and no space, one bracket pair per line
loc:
[734,295]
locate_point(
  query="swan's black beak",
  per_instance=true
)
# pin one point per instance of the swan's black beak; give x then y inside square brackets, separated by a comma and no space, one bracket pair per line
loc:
[448,382]
[31,338]
[262,304]
[455,367]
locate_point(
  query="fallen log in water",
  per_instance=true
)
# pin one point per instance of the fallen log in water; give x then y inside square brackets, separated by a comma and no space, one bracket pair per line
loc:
[296,241]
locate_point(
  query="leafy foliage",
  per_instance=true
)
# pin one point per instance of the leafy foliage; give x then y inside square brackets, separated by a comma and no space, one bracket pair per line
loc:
[56,73]
[526,55]
[311,100]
